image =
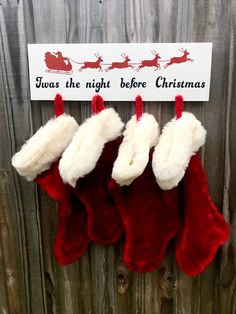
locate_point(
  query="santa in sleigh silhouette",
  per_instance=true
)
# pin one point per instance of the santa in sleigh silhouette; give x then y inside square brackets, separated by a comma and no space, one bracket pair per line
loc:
[56,63]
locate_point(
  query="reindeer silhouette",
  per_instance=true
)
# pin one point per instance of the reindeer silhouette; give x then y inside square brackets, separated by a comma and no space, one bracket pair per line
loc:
[120,65]
[180,59]
[150,63]
[93,64]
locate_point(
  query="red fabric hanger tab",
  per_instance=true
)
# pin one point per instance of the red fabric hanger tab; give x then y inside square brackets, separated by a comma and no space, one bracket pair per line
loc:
[179,106]
[138,107]
[58,105]
[97,104]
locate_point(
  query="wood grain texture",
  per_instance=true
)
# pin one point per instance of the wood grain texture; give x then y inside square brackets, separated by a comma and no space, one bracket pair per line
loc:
[31,281]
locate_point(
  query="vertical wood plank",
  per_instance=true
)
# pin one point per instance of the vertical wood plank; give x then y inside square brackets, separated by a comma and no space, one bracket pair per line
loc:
[99,282]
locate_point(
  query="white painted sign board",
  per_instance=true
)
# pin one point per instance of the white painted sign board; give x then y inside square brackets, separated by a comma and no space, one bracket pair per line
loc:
[119,72]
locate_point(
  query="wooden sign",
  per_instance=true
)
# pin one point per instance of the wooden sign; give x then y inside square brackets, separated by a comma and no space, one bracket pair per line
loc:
[119,72]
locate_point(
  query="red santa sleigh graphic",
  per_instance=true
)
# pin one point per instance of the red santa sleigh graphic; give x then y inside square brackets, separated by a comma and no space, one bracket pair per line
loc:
[56,63]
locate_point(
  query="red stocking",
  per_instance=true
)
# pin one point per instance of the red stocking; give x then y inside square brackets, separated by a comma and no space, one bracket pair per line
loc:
[150,216]
[36,161]
[204,228]
[87,164]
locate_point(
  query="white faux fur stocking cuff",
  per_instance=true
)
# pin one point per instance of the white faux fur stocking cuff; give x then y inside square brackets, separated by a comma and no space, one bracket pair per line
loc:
[81,156]
[179,140]
[45,146]
[133,155]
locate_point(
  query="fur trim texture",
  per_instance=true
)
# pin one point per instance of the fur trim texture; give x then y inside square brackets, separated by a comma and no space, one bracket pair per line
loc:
[45,146]
[179,140]
[133,155]
[82,154]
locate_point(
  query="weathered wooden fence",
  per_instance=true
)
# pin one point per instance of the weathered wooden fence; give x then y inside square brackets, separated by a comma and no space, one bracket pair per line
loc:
[30,281]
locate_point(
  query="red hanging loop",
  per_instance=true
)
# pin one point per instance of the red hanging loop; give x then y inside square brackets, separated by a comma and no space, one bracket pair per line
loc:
[58,105]
[138,107]
[179,106]
[97,104]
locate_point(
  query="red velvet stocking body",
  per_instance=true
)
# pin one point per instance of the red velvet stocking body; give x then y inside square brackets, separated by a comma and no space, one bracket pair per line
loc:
[150,217]
[104,222]
[72,237]
[204,228]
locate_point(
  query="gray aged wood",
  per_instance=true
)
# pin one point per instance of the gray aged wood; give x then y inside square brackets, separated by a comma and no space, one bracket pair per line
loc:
[31,282]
